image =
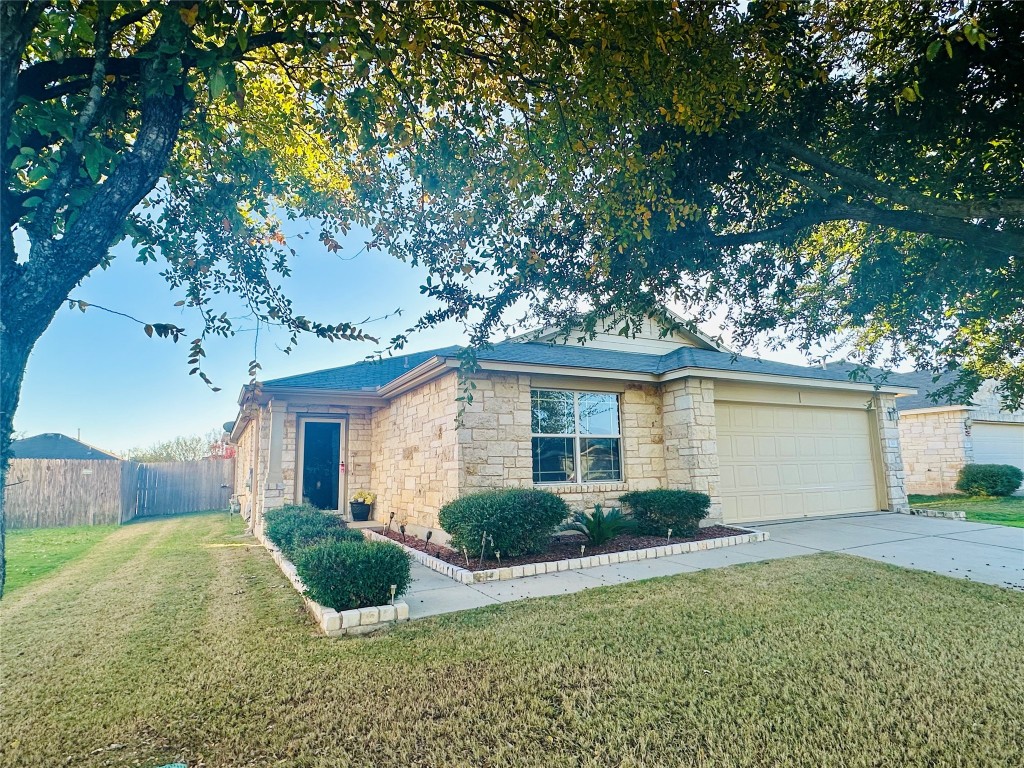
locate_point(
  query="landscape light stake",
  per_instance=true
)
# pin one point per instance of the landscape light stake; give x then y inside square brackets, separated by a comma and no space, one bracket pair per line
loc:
[465,554]
[583,548]
[497,554]
[390,518]
[394,588]
[429,534]
[402,529]
[669,539]
[484,540]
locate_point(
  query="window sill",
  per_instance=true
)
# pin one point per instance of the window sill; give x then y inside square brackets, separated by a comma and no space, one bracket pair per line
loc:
[610,487]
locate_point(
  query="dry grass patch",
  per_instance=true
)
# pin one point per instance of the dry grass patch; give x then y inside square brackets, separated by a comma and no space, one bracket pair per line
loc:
[161,644]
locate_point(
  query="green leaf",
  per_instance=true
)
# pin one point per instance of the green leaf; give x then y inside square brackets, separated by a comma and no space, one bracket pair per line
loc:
[93,158]
[908,94]
[933,50]
[949,48]
[217,84]
[83,30]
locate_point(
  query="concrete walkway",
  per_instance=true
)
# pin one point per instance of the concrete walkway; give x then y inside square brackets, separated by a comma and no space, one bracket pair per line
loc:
[992,554]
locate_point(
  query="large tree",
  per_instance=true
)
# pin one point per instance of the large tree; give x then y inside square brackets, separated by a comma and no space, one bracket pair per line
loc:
[824,169]
[847,173]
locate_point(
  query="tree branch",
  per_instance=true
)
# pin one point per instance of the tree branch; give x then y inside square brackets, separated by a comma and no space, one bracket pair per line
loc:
[973,209]
[1006,242]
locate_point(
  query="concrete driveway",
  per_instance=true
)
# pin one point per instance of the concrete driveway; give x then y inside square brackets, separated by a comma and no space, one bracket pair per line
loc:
[993,554]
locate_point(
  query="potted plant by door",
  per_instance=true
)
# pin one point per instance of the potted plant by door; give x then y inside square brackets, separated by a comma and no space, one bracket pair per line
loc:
[361,504]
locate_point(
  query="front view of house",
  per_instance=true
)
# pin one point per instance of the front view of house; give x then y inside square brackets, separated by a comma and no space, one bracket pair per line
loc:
[591,421]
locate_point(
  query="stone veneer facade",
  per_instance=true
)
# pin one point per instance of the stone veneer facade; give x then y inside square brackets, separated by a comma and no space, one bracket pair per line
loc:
[935,447]
[410,453]
[416,462]
[937,441]
[893,475]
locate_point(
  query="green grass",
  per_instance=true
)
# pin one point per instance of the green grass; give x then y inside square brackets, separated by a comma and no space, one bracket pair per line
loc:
[35,552]
[1006,510]
[178,639]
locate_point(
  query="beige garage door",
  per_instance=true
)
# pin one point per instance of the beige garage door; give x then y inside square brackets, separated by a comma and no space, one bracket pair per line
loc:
[783,461]
[996,443]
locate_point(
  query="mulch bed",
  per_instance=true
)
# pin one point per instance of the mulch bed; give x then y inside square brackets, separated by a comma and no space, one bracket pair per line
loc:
[561,548]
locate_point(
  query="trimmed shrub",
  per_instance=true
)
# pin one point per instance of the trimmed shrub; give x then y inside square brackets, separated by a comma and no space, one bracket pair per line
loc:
[662,509]
[280,523]
[292,528]
[309,533]
[600,527]
[519,520]
[348,574]
[989,479]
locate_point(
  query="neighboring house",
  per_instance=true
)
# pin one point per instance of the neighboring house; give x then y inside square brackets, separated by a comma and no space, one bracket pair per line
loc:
[938,439]
[587,421]
[53,445]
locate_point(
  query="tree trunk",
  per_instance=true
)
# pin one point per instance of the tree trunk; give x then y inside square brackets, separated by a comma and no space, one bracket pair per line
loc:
[14,351]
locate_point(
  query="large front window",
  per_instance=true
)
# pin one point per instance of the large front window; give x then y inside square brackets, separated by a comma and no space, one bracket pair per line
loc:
[575,437]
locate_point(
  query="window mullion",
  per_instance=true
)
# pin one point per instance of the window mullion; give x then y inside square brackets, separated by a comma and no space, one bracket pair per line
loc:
[576,436]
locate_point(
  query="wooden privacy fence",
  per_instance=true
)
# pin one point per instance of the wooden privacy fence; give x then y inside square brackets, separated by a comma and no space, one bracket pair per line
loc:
[50,493]
[175,487]
[47,493]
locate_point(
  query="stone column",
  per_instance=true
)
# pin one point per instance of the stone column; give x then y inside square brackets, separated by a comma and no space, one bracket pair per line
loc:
[691,440]
[273,440]
[887,419]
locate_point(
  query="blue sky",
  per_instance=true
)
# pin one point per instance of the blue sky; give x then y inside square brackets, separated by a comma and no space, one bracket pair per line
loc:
[100,373]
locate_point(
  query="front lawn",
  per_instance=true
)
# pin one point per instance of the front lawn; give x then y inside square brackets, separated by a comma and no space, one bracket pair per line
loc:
[34,552]
[178,639]
[1006,510]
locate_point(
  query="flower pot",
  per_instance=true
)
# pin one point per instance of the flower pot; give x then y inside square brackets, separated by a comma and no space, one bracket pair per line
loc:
[360,511]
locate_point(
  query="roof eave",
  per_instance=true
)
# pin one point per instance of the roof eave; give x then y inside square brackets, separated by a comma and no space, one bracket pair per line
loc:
[783,378]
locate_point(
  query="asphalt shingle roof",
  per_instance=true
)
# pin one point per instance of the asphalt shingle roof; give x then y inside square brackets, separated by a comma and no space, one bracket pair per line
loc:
[53,445]
[925,383]
[371,375]
[365,375]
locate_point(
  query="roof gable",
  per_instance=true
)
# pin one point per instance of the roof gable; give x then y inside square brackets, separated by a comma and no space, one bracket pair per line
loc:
[650,339]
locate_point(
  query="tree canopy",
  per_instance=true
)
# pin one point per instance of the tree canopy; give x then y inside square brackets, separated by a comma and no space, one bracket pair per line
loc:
[183,448]
[847,171]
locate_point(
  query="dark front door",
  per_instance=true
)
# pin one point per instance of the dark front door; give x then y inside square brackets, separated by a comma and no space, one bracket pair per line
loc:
[321,455]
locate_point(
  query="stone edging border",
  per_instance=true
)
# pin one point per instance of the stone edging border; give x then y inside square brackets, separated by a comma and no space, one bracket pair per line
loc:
[466,576]
[949,514]
[332,623]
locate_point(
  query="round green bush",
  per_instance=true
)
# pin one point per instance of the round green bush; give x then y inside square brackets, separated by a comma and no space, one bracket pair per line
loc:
[989,479]
[293,527]
[280,523]
[519,520]
[309,534]
[659,510]
[349,574]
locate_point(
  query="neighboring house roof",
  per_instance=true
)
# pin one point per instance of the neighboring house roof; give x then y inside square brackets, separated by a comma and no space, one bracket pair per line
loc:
[53,445]
[372,375]
[926,383]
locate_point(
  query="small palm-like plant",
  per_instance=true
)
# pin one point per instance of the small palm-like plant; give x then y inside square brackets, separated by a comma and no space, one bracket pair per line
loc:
[600,526]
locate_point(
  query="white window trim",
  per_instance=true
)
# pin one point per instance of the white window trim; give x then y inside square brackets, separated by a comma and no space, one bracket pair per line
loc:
[576,435]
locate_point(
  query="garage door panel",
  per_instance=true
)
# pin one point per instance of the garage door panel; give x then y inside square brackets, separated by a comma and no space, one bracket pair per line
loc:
[784,461]
[998,443]
[768,476]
